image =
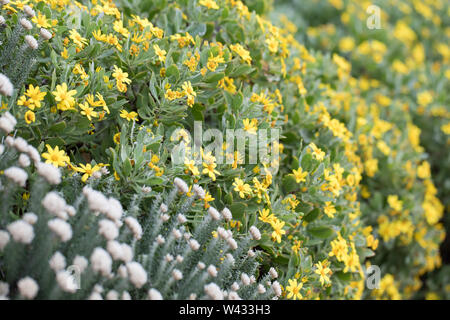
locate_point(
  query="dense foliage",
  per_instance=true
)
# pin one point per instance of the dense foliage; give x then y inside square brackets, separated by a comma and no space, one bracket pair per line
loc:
[109,98]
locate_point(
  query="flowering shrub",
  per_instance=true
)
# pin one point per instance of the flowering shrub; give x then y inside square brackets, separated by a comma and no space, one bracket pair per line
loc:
[399,69]
[99,122]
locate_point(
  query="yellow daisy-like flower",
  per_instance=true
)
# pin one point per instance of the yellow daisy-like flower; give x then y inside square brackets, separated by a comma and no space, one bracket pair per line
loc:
[242,188]
[29,117]
[129,116]
[209,169]
[77,38]
[299,175]
[64,97]
[251,126]
[41,21]
[323,271]
[56,157]
[160,53]
[88,111]
[35,96]
[278,231]
[88,170]
[293,289]
[210,4]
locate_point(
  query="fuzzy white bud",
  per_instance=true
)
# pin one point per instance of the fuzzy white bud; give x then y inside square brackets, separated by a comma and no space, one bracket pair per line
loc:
[17,175]
[226,213]
[66,281]
[26,24]
[21,231]
[28,288]
[232,243]
[45,34]
[163,208]
[137,274]
[181,185]
[55,204]
[6,88]
[276,288]
[199,191]
[212,271]
[254,232]
[4,239]
[214,213]
[181,218]
[31,42]
[154,294]
[213,291]
[194,244]
[245,279]
[61,228]
[80,262]
[101,261]
[112,295]
[108,229]
[134,226]
[49,173]
[273,273]
[24,160]
[57,262]
[177,275]
[235,286]
[29,12]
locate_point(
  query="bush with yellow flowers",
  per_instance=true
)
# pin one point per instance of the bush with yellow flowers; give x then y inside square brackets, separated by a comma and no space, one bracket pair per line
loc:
[400,72]
[112,95]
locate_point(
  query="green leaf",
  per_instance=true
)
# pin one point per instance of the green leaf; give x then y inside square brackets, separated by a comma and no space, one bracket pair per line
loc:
[173,71]
[312,215]
[322,232]
[214,77]
[58,127]
[127,167]
[238,211]
[289,184]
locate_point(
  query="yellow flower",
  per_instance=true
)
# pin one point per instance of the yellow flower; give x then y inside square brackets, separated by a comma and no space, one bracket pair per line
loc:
[121,78]
[35,96]
[56,157]
[244,54]
[160,53]
[29,117]
[323,272]
[64,97]
[272,44]
[300,175]
[209,169]
[116,138]
[65,53]
[77,39]
[88,111]
[278,231]
[210,4]
[241,187]
[424,98]
[41,21]
[128,115]
[250,126]
[424,170]
[88,170]
[329,209]
[118,27]
[265,216]
[317,152]
[293,289]
[395,203]
[190,165]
